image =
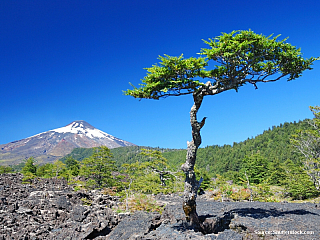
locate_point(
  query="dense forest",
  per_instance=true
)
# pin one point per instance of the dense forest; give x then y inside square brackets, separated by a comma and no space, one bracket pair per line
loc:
[273,144]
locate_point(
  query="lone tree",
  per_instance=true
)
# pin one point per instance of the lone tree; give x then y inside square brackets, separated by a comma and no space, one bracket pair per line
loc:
[238,58]
[158,164]
[99,168]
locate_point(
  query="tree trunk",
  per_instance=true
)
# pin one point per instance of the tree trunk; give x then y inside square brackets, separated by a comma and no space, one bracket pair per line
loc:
[163,183]
[191,185]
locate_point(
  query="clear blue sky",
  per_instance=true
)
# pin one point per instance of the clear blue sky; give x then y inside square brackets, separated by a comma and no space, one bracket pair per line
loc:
[70,60]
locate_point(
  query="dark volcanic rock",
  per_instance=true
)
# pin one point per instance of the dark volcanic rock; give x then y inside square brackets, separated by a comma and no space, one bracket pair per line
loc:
[135,226]
[50,209]
[242,220]
[230,220]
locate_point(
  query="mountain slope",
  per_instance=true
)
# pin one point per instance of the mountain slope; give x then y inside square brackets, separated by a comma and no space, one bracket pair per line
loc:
[273,144]
[54,144]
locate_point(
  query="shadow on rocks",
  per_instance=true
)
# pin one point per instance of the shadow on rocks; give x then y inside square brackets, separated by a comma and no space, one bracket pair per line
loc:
[259,213]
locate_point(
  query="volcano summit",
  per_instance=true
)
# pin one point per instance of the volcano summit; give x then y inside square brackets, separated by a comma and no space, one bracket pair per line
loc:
[54,144]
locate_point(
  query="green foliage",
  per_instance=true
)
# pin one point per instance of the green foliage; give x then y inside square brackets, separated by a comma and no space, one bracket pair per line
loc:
[238,57]
[79,154]
[30,166]
[155,160]
[273,144]
[173,76]
[72,165]
[240,194]
[219,181]
[256,168]
[86,201]
[112,191]
[6,169]
[259,192]
[203,173]
[99,168]
[262,192]
[276,172]
[56,169]
[77,184]
[45,170]
[129,154]
[29,170]
[152,176]
[18,167]
[59,168]
[147,181]
[27,177]
[297,183]
[235,176]
[308,143]
[245,54]
[140,202]
[222,190]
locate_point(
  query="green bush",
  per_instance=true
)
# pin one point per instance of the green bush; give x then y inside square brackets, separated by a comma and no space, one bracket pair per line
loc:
[30,166]
[6,169]
[27,178]
[297,182]
[140,202]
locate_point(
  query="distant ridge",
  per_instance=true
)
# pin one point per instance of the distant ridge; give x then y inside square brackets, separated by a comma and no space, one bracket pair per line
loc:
[54,144]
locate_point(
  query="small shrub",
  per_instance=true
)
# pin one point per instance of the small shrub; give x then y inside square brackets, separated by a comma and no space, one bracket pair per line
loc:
[240,194]
[77,188]
[6,169]
[110,191]
[78,184]
[262,193]
[140,202]
[86,201]
[27,178]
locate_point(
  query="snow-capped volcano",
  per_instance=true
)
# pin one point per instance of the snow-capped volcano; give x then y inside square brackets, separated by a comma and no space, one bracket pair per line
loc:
[51,145]
[82,129]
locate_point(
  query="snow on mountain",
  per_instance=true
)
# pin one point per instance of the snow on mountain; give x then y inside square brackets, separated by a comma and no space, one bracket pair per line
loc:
[56,143]
[83,129]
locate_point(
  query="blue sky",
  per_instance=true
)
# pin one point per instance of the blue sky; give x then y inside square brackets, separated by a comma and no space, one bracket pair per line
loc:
[70,60]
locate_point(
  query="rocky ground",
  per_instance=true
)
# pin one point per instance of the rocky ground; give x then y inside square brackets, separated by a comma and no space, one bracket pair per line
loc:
[50,209]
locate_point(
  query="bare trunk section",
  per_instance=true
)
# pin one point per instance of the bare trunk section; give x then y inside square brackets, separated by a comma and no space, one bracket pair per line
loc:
[191,185]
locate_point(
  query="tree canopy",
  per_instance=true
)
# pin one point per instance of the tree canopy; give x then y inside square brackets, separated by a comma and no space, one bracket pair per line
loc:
[99,168]
[153,175]
[238,58]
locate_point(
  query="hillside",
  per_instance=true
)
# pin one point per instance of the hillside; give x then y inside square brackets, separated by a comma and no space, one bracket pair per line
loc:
[273,144]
